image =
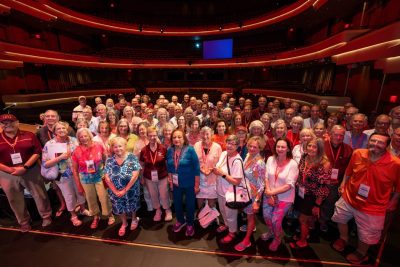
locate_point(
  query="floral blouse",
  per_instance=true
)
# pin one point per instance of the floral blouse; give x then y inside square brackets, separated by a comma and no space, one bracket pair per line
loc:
[314,179]
[65,165]
[254,169]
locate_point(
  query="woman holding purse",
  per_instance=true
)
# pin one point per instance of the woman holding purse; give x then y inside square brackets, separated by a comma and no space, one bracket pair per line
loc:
[280,180]
[254,170]
[227,177]
[65,180]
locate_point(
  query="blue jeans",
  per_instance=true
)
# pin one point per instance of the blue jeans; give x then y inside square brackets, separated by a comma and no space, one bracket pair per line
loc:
[190,198]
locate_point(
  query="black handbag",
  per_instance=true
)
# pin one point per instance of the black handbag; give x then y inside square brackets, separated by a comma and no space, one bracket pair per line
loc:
[241,196]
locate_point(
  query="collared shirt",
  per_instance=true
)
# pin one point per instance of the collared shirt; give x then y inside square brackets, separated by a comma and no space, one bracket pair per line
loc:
[309,123]
[382,177]
[154,161]
[44,134]
[26,144]
[360,141]
[94,125]
[339,157]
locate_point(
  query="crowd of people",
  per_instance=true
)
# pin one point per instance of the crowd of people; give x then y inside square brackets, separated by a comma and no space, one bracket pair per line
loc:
[323,166]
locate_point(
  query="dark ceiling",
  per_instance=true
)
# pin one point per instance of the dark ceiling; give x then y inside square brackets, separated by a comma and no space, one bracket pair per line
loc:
[176,12]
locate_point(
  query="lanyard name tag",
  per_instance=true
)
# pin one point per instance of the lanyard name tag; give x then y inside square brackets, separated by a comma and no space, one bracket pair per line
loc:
[302,191]
[154,175]
[363,190]
[335,174]
[90,166]
[16,158]
[175,179]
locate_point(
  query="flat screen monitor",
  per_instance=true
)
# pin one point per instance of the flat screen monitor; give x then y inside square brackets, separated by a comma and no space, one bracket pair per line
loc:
[217,49]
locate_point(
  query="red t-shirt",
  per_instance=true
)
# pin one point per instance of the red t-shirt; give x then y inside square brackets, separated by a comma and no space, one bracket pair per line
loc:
[382,177]
[154,161]
[26,144]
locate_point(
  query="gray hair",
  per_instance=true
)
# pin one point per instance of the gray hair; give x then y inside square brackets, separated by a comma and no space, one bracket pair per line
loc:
[233,138]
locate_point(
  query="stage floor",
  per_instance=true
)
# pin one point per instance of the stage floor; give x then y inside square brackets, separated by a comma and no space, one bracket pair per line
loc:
[154,244]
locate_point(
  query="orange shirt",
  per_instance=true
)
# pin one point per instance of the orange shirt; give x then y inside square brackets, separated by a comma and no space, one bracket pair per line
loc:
[382,176]
[220,140]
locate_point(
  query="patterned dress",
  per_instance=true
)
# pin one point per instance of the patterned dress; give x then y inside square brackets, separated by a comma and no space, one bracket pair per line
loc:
[254,170]
[120,175]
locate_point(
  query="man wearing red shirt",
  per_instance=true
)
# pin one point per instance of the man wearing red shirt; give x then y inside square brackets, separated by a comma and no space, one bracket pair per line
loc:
[19,152]
[370,188]
[339,155]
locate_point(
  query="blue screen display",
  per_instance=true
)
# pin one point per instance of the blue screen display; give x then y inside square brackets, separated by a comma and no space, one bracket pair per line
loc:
[217,49]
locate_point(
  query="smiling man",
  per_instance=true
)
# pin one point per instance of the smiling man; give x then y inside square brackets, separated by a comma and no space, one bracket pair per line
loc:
[370,188]
[19,153]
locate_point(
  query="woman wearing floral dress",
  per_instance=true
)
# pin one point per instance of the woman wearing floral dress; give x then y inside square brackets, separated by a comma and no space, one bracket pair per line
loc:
[254,169]
[122,172]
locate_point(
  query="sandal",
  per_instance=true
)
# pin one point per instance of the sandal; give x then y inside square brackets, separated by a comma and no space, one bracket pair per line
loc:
[339,245]
[122,230]
[134,223]
[357,258]
[95,223]
[242,246]
[111,220]
[222,228]
[75,221]
[59,212]
[295,245]
[228,238]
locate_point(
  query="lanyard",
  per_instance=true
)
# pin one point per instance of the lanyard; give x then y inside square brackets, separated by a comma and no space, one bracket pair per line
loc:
[153,160]
[177,157]
[51,136]
[278,170]
[305,171]
[333,155]
[203,154]
[251,162]
[11,145]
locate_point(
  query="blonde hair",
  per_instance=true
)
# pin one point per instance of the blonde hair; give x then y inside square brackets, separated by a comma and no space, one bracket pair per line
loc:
[116,140]
[260,141]
[81,130]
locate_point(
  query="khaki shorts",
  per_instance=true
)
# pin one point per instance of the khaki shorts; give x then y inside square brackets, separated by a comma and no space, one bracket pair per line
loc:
[369,227]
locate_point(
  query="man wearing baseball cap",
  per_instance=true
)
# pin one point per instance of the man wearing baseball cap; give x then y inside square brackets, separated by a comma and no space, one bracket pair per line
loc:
[19,153]
[79,109]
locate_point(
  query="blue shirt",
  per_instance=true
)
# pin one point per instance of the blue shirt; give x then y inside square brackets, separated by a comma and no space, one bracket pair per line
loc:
[188,166]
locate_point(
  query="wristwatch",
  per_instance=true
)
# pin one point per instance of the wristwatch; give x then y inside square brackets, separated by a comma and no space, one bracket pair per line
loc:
[224,176]
[26,167]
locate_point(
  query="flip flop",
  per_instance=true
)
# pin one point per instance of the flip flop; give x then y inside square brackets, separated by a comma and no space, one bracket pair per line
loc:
[59,212]
[294,245]
[357,258]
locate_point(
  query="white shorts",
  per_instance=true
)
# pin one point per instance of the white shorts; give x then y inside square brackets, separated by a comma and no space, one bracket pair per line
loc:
[369,227]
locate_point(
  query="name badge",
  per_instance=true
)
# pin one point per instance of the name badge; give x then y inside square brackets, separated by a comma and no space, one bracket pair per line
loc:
[90,166]
[302,191]
[16,158]
[175,179]
[154,175]
[363,190]
[335,174]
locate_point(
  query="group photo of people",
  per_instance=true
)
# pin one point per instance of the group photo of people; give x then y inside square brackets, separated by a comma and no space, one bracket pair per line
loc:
[193,163]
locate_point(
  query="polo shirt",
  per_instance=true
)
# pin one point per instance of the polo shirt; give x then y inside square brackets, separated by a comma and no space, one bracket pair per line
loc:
[339,157]
[26,144]
[382,176]
[158,157]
